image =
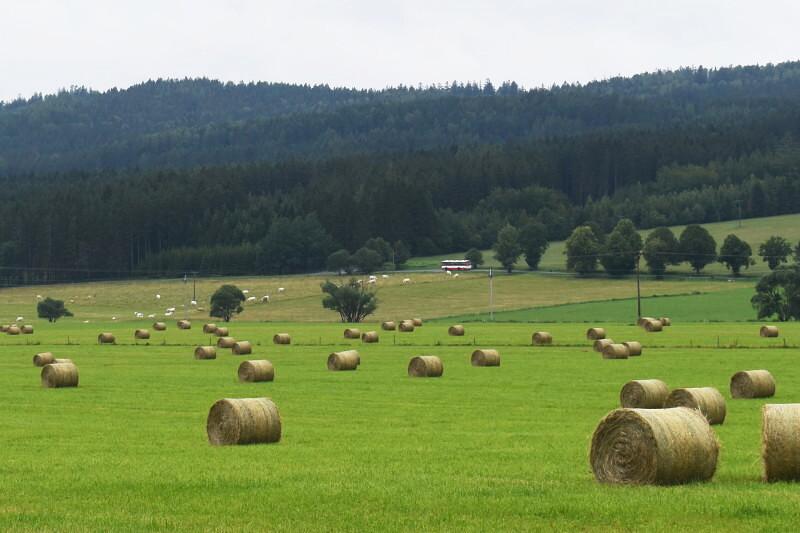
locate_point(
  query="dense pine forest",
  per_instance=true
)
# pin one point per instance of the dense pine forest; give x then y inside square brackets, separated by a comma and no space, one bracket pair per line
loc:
[171,175]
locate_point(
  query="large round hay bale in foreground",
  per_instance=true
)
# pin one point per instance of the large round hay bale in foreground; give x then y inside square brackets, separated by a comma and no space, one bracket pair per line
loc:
[600,344]
[106,338]
[205,352]
[63,361]
[243,421]
[769,331]
[615,351]
[485,358]
[352,333]
[141,334]
[256,370]
[13,330]
[406,326]
[634,348]
[417,322]
[209,328]
[780,444]
[242,348]
[707,399]
[456,331]
[27,329]
[369,336]
[184,324]
[226,342]
[425,366]
[389,326]
[594,334]
[43,358]
[159,326]
[282,338]
[57,375]
[653,447]
[653,326]
[643,319]
[221,331]
[346,360]
[644,394]
[665,321]
[542,338]
[752,384]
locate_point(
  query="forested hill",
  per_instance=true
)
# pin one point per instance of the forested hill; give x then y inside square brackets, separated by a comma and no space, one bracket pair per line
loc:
[172,124]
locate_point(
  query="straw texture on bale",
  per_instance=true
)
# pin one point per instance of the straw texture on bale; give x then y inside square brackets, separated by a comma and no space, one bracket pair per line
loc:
[780,445]
[644,394]
[209,328]
[256,370]
[600,344]
[159,326]
[346,360]
[707,399]
[141,334]
[221,331]
[243,421]
[769,331]
[485,358]
[205,352]
[406,326]
[43,358]
[615,351]
[63,361]
[57,375]
[752,384]
[352,333]
[369,336]
[634,348]
[282,338]
[425,366]
[242,348]
[417,322]
[106,338]
[541,338]
[594,334]
[653,447]
[389,326]
[665,321]
[653,326]
[226,342]
[184,324]
[27,329]
[13,330]
[643,319]
[456,331]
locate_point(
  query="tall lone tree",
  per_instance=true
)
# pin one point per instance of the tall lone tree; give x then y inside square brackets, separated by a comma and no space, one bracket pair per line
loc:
[621,249]
[52,309]
[661,248]
[351,300]
[775,251]
[582,248]
[226,302]
[698,247]
[474,256]
[735,254]
[533,238]
[507,249]
[778,294]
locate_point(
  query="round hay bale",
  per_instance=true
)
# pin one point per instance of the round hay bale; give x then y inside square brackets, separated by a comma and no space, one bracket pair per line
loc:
[652,326]
[106,338]
[282,338]
[389,326]
[57,375]
[221,331]
[346,360]
[599,344]
[352,333]
[141,334]
[226,342]
[707,399]
[13,330]
[752,384]
[644,394]
[485,358]
[406,326]
[653,447]
[27,329]
[159,326]
[243,421]
[425,366]
[209,328]
[642,320]
[62,361]
[184,324]
[634,348]
[456,331]
[205,352]
[242,348]
[780,445]
[542,338]
[256,370]
[769,331]
[369,336]
[665,321]
[594,334]
[43,358]
[615,351]
[417,322]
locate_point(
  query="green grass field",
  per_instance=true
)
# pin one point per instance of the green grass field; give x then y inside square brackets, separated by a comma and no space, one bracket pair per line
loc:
[478,449]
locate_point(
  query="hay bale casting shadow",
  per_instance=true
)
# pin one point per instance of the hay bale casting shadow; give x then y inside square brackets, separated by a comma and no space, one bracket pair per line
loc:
[243,421]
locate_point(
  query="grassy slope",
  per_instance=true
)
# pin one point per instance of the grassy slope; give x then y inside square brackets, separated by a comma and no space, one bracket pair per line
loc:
[371,449]
[754,231]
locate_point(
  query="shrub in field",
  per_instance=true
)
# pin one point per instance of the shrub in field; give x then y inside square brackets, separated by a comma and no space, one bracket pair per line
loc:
[226,302]
[52,309]
[352,301]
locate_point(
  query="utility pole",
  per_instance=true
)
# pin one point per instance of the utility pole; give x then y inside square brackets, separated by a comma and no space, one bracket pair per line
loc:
[638,288]
[491,295]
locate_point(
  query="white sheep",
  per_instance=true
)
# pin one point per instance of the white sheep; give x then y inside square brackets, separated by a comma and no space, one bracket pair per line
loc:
[372,281]
[151,316]
[85,321]
[20,319]
[449,273]
[251,299]
[245,291]
[158,296]
[455,275]
[113,318]
[406,281]
[194,302]
[170,309]
[265,298]
[281,289]
[38,296]
[168,313]
[384,276]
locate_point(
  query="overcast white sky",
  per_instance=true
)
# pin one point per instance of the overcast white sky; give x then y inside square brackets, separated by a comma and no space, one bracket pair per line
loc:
[46,44]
